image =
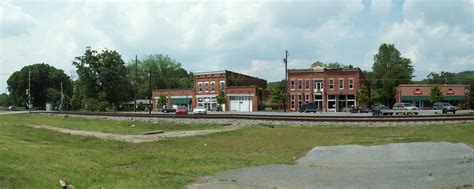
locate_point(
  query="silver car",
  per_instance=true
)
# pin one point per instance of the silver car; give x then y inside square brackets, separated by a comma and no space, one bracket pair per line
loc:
[200,110]
[404,106]
[446,107]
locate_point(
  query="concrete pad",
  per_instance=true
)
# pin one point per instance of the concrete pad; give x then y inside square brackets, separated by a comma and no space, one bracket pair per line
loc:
[411,165]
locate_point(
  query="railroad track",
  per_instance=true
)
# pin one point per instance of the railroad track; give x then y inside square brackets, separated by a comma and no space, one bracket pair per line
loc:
[418,118]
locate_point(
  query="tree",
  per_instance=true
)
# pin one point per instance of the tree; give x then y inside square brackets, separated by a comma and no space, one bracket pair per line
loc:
[162,101]
[436,95]
[277,94]
[442,78]
[390,70]
[362,95]
[221,99]
[102,76]
[337,65]
[5,100]
[45,86]
[235,79]
[166,74]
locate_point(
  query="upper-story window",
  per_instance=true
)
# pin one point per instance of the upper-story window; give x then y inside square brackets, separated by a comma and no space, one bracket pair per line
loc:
[200,87]
[318,85]
[306,84]
[206,87]
[213,86]
[300,84]
[331,84]
[351,84]
[341,83]
[222,85]
[292,84]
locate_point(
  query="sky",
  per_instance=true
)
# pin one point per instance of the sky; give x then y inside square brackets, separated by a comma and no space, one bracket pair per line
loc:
[244,36]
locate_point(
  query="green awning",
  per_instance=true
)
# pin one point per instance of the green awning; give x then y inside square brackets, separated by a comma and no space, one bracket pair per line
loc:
[427,98]
[178,101]
[415,98]
[450,98]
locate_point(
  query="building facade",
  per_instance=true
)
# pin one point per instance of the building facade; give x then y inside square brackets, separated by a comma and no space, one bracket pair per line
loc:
[242,92]
[419,95]
[331,89]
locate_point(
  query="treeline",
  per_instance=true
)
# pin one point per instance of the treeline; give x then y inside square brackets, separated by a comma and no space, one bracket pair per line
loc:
[104,81]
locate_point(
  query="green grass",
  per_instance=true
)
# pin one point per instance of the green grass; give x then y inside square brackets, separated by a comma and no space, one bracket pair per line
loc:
[102,125]
[38,158]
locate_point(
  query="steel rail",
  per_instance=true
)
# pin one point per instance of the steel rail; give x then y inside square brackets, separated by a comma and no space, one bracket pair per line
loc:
[401,118]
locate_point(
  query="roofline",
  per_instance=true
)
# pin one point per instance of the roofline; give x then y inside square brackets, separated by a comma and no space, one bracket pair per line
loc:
[429,85]
[210,72]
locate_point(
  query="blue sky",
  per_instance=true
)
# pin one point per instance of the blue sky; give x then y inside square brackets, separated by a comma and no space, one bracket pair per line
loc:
[244,36]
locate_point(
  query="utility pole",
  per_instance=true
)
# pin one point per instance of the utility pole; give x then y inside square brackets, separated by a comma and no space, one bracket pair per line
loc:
[62,98]
[136,83]
[29,90]
[285,61]
[151,95]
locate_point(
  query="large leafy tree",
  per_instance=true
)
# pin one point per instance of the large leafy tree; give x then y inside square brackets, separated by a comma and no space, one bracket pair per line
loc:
[5,100]
[277,94]
[102,76]
[436,95]
[166,73]
[389,70]
[45,86]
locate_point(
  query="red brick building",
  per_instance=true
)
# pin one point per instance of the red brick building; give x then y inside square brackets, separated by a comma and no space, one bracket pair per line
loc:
[330,89]
[419,94]
[242,92]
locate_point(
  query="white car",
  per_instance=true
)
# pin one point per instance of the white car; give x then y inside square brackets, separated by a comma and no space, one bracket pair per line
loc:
[404,106]
[200,110]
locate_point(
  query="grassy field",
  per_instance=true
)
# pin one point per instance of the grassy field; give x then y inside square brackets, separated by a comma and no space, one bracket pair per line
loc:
[38,158]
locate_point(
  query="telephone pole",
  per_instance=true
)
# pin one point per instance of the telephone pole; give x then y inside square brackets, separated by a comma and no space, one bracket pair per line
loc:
[285,61]
[136,83]
[29,90]
[62,98]
[151,96]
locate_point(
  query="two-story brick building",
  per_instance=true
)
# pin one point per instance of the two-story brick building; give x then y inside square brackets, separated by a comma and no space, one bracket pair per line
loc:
[242,92]
[330,89]
[420,94]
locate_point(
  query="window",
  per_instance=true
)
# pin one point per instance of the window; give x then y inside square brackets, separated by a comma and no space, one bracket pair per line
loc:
[341,83]
[200,87]
[318,85]
[292,84]
[206,87]
[213,86]
[300,84]
[292,97]
[222,83]
[306,84]
[351,84]
[331,84]
[306,99]
[300,100]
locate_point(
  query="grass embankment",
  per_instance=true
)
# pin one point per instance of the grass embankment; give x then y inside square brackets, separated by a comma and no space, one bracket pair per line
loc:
[38,158]
[102,124]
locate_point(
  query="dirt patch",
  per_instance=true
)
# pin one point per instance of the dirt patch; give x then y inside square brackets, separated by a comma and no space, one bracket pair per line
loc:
[137,138]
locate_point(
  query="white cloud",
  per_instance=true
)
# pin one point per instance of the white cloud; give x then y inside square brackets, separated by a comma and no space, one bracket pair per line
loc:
[13,20]
[380,8]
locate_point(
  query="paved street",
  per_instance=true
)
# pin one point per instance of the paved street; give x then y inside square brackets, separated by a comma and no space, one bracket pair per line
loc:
[411,165]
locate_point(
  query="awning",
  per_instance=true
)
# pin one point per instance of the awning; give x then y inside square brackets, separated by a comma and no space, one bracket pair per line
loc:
[415,98]
[427,98]
[178,101]
[450,98]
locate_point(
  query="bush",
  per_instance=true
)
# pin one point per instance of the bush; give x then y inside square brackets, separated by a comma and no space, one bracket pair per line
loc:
[94,105]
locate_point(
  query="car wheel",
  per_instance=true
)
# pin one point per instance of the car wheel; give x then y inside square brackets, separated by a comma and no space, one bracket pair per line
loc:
[445,111]
[454,112]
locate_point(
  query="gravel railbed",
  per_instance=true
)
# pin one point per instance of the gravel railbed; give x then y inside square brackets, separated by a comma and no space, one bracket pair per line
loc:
[270,123]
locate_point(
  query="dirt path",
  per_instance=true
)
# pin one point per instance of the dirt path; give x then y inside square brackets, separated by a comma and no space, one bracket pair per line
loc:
[137,138]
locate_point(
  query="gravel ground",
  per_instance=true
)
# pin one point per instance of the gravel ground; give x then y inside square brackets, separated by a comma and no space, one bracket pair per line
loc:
[243,122]
[410,165]
[137,138]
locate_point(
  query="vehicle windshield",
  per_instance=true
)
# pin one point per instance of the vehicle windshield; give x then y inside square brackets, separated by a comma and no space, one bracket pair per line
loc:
[446,104]
[408,104]
[199,107]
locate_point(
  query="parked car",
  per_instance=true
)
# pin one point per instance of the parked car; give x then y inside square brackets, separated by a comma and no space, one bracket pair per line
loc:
[446,107]
[168,110]
[361,109]
[200,110]
[404,106]
[381,110]
[309,107]
[181,110]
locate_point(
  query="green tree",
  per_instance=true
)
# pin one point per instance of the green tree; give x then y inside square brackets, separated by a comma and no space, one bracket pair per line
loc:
[102,76]
[390,70]
[221,99]
[337,65]
[166,74]
[162,101]
[277,94]
[442,78]
[5,100]
[45,86]
[436,95]
[362,95]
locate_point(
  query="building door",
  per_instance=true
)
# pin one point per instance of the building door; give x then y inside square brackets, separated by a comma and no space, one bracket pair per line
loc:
[240,103]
